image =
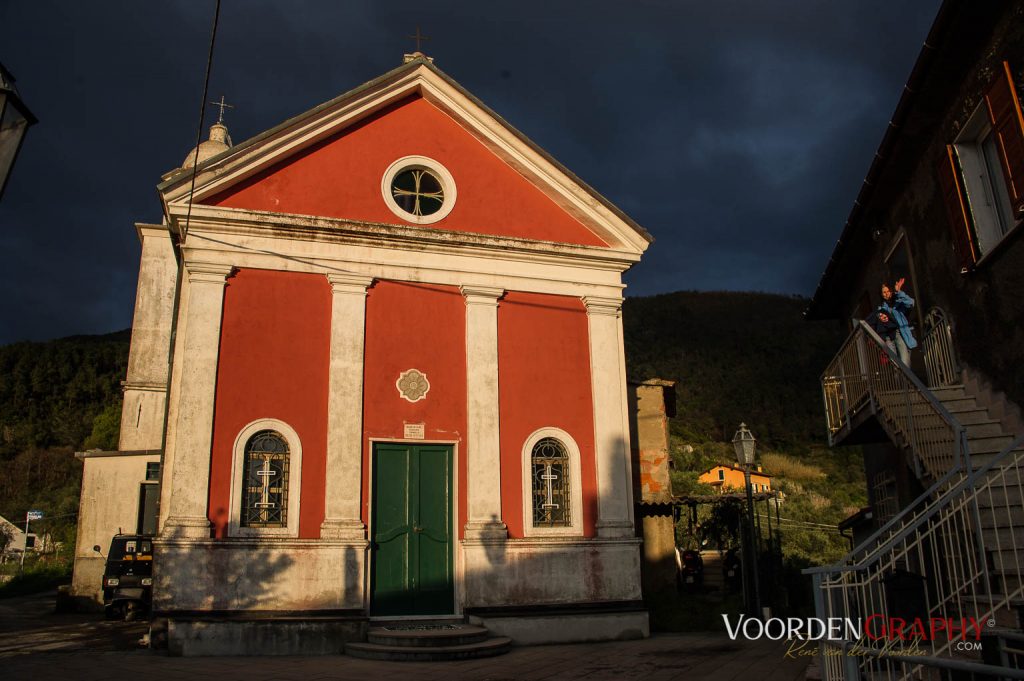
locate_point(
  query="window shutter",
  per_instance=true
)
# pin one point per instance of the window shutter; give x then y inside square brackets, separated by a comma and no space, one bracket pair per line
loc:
[959,218]
[1007,122]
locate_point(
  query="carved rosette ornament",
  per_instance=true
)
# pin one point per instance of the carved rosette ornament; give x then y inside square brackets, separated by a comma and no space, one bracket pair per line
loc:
[413,385]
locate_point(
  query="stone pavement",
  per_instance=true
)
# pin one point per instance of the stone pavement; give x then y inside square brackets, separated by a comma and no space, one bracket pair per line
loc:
[73,647]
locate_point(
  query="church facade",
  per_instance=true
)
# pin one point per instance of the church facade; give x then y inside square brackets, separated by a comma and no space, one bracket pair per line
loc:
[397,383]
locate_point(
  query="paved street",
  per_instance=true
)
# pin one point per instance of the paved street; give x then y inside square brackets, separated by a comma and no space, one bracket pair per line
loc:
[35,644]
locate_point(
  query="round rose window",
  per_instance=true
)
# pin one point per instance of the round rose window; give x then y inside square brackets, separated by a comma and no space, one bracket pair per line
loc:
[418,189]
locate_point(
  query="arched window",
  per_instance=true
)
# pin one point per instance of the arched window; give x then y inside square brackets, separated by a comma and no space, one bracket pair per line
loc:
[265,490]
[266,475]
[551,484]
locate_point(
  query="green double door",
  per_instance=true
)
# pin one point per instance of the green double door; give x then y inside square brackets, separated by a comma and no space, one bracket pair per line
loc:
[411,528]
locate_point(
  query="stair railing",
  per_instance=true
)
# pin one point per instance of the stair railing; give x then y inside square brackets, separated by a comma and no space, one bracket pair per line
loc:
[956,554]
[866,377]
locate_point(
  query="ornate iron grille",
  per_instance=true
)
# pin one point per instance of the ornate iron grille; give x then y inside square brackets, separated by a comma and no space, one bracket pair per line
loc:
[265,498]
[418,192]
[550,484]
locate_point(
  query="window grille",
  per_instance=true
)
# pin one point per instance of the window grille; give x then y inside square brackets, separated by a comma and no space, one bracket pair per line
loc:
[265,494]
[550,463]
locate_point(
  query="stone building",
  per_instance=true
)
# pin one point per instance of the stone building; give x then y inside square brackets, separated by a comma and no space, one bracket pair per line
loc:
[396,388]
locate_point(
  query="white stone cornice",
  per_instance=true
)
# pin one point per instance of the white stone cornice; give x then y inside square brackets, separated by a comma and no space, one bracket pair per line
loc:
[147,386]
[208,272]
[481,295]
[344,282]
[222,220]
[599,305]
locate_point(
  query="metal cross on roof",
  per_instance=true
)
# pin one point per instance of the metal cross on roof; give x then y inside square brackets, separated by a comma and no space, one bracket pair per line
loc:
[222,105]
[419,38]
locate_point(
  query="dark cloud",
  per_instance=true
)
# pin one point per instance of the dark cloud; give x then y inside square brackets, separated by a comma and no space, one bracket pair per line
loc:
[736,132]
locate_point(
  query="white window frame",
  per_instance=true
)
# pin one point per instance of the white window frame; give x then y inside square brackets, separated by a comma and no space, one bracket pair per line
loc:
[419,163]
[575,528]
[984,192]
[235,528]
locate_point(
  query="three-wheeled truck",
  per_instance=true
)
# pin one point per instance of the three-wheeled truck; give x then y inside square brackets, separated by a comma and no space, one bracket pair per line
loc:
[128,577]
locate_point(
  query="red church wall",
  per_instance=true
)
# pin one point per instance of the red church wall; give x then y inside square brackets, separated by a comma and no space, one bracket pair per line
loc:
[274,360]
[340,177]
[543,381]
[423,327]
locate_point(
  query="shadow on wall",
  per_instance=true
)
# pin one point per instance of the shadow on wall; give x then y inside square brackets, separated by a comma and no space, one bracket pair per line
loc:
[241,574]
[207,576]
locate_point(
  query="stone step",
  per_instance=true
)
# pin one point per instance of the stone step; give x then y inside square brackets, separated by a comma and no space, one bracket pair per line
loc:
[427,636]
[989,445]
[949,392]
[405,653]
[968,417]
[959,404]
[987,428]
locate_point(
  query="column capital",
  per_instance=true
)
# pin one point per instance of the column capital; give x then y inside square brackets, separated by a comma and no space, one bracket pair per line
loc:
[481,295]
[599,305]
[344,282]
[208,272]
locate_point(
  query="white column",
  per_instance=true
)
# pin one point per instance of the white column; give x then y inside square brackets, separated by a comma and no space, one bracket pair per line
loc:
[342,518]
[190,477]
[611,427]
[483,464]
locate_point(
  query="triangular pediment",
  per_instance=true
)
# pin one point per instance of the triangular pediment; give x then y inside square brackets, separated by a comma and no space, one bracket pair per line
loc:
[330,162]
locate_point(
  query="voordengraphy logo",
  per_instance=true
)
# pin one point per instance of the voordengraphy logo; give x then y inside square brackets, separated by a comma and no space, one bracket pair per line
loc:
[874,628]
[798,628]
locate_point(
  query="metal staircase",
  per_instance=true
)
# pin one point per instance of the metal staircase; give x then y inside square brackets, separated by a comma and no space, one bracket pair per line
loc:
[955,553]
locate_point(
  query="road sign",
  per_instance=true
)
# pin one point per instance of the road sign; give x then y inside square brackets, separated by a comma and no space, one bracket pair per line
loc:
[34,515]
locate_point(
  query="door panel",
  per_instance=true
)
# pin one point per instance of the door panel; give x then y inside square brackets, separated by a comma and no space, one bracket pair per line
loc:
[411,530]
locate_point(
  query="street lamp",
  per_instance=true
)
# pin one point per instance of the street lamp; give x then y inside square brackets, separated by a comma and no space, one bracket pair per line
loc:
[744,444]
[15,118]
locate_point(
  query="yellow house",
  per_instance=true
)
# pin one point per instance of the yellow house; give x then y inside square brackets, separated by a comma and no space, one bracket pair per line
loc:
[731,478]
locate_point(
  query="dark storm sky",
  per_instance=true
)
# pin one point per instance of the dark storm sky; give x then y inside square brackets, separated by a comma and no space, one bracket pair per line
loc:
[737,132]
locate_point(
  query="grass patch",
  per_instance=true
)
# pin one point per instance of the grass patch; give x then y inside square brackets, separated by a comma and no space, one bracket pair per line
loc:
[37,579]
[780,465]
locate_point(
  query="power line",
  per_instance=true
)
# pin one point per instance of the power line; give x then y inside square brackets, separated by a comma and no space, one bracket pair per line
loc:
[202,115]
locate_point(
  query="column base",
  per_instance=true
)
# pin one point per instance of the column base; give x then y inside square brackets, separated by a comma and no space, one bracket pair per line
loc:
[339,528]
[186,527]
[615,528]
[486,531]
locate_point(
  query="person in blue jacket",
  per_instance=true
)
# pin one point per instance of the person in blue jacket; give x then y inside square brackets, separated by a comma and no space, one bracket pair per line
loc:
[896,303]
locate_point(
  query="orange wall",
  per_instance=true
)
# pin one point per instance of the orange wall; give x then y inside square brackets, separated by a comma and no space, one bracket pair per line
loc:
[543,380]
[274,357]
[423,327]
[340,177]
[734,479]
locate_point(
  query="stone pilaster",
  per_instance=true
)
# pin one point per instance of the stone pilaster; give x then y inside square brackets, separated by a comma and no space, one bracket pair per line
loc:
[342,519]
[611,427]
[190,479]
[483,463]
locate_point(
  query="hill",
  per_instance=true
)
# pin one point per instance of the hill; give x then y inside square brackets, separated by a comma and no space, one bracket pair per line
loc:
[737,357]
[56,397]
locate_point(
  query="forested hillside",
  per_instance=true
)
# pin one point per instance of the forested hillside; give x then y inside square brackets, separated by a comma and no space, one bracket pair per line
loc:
[55,398]
[747,357]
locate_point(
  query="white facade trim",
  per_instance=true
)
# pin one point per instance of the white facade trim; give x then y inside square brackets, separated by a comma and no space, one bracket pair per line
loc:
[483,438]
[575,485]
[294,480]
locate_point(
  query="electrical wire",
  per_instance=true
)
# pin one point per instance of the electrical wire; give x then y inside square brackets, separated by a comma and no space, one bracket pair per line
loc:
[202,116]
